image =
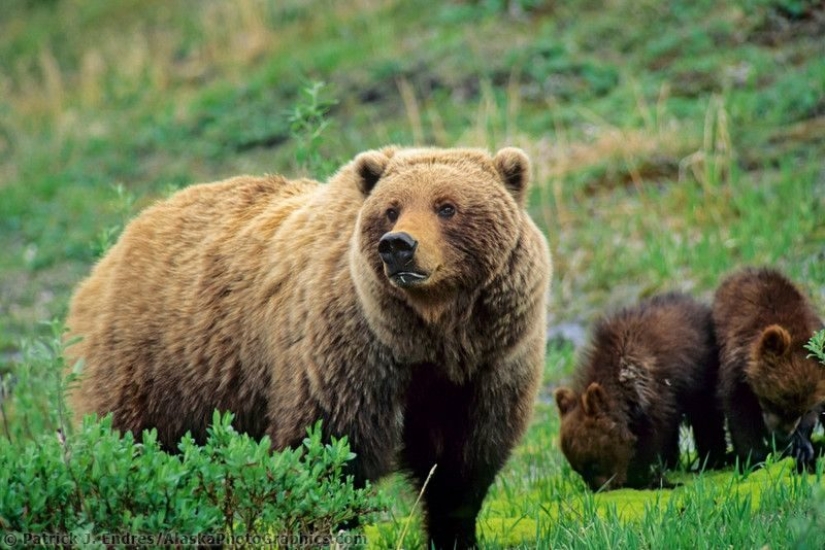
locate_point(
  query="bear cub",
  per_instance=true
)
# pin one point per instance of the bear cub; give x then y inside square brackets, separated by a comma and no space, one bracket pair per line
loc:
[770,390]
[645,368]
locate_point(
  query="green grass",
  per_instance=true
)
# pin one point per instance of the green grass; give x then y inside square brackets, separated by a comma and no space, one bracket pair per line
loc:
[671,143]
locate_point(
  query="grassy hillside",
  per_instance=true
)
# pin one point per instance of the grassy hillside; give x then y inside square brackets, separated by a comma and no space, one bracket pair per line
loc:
[672,142]
[695,115]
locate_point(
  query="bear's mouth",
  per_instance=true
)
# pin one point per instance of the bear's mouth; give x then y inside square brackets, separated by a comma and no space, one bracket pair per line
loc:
[405,279]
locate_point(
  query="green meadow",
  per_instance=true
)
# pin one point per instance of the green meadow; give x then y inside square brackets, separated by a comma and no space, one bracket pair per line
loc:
[671,142]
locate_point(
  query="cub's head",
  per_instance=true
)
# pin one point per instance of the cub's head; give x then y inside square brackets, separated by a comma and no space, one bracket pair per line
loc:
[598,446]
[786,381]
[435,221]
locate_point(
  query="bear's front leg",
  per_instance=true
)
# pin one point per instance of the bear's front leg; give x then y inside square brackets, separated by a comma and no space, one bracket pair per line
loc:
[452,502]
[438,428]
[801,448]
[747,429]
[467,432]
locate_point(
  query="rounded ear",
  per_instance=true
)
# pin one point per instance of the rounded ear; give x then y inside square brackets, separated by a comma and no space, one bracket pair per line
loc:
[370,166]
[595,400]
[565,399]
[774,341]
[513,166]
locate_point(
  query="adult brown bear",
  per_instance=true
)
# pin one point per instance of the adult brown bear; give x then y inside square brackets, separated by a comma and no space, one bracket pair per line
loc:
[403,303]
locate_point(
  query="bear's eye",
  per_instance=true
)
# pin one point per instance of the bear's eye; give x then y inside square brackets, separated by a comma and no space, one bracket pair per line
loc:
[392,214]
[446,210]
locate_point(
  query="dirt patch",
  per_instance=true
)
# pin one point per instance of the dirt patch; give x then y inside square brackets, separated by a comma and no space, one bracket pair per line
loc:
[790,21]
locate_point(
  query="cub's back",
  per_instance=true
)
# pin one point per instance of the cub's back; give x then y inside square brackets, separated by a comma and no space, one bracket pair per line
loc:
[664,334]
[755,298]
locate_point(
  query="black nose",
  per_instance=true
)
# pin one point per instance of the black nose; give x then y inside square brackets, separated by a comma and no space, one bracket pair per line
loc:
[397,249]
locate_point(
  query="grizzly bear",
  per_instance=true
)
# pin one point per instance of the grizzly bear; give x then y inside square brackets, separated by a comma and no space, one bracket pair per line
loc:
[645,369]
[403,303]
[767,382]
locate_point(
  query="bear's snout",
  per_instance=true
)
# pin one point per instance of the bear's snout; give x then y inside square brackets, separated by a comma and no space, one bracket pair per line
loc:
[780,427]
[397,250]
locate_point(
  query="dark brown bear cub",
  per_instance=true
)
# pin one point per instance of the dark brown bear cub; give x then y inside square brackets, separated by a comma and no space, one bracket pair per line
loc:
[645,369]
[767,382]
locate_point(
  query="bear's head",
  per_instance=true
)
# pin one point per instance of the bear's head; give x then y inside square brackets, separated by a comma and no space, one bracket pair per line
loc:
[437,222]
[786,381]
[597,444]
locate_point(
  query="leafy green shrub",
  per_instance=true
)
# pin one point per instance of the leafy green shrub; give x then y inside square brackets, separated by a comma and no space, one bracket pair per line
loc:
[107,237]
[307,122]
[812,518]
[31,393]
[816,345]
[97,482]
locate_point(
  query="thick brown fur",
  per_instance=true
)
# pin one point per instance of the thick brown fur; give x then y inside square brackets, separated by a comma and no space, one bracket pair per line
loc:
[269,298]
[767,382]
[645,369]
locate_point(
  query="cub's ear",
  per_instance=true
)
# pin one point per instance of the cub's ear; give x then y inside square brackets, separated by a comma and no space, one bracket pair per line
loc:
[595,400]
[774,341]
[513,166]
[565,399]
[370,166]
